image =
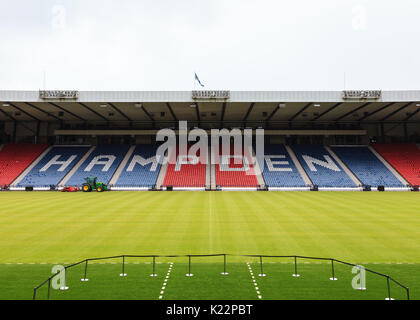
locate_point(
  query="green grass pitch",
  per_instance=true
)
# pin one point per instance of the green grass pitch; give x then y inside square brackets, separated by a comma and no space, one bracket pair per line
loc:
[40,229]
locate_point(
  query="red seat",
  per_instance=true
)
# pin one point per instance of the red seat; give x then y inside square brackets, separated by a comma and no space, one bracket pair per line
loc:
[236,178]
[404,157]
[190,175]
[15,158]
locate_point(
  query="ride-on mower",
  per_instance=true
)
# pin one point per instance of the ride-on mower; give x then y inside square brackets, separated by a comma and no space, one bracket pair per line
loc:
[70,189]
[92,184]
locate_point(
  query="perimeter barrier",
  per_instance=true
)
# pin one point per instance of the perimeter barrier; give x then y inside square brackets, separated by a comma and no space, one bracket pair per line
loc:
[224,256]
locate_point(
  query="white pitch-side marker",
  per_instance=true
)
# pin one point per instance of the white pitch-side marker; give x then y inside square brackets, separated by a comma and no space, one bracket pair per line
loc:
[254,282]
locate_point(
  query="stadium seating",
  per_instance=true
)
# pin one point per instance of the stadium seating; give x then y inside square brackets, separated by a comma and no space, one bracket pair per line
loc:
[235,175]
[279,169]
[321,167]
[15,158]
[137,175]
[367,167]
[405,158]
[186,175]
[54,166]
[102,163]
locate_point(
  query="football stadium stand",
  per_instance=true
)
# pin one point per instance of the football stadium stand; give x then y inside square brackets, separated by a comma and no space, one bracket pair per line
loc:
[235,175]
[102,163]
[366,166]
[15,158]
[188,172]
[321,167]
[141,170]
[405,158]
[279,169]
[53,167]
[136,168]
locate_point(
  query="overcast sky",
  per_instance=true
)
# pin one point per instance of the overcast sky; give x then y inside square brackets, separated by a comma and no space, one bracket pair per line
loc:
[231,44]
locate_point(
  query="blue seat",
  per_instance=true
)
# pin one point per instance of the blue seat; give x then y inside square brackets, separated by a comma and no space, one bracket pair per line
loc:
[366,166]
[283,172]
[111,155]
[43,176]
[139,175]
[321,167]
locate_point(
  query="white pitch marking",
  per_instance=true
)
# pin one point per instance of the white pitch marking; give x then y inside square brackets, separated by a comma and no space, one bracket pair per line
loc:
[165,282]
[254,281]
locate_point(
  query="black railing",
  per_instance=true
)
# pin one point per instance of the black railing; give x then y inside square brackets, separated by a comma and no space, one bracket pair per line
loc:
[224,255]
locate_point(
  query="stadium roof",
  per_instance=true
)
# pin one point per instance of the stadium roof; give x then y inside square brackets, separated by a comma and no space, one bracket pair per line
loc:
[159,108]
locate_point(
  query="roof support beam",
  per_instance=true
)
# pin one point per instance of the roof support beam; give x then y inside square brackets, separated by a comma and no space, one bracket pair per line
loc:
[248,112]
[64,110]
[15,122]
[376,111]
[7,115]
[300,112]
[171,111]
[222,119]
[277,108]
[412,115]
[23,111]
[353,111]
[42,111]
[327,111]
[397,111]
[149,116]
[93,111]
[120,112]
[197,111]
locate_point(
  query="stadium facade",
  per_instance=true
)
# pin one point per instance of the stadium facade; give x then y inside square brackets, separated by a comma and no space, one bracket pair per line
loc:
[327,140]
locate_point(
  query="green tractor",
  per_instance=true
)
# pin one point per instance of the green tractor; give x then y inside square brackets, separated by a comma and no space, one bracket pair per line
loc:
[91,184]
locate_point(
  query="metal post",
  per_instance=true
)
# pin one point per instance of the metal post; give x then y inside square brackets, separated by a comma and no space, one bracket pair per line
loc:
[189,274]
[154,268]
[34,296]
[85,279]
[389,289]
[261,267]
[333,278]
[224,273]
[296,275]
[408,293]
[123,274]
